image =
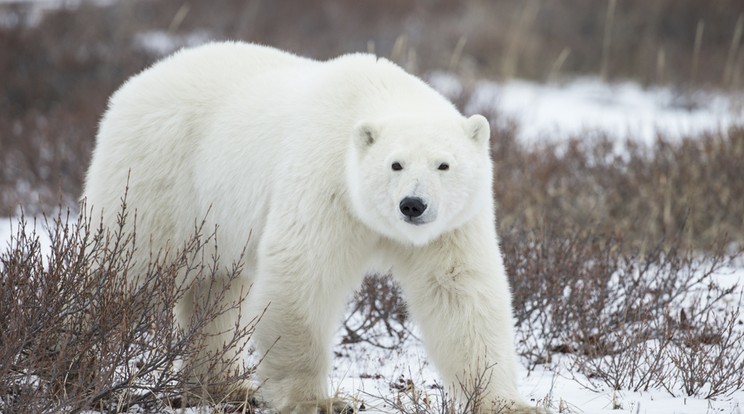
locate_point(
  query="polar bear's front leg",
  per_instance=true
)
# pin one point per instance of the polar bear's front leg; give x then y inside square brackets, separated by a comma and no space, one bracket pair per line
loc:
[458,293]
[303,285]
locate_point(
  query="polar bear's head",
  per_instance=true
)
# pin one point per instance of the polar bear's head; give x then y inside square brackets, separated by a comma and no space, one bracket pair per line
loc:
[412,179]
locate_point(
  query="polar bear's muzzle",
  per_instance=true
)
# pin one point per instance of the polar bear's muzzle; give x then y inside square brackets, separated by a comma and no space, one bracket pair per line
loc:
[412,208]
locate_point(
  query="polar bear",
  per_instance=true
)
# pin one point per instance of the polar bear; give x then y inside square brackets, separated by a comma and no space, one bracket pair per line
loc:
[315,174]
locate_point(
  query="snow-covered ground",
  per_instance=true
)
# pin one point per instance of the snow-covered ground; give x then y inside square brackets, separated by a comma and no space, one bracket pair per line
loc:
[556,111]
[370,375]
[374,376]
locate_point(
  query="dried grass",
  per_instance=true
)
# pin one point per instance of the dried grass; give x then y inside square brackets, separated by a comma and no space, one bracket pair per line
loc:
[79,333]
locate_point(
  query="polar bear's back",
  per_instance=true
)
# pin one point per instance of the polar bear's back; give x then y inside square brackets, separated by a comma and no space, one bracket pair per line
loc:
[154,124]
[188,85]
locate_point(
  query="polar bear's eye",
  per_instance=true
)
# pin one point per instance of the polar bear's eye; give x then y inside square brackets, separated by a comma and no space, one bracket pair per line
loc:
[396,166]
[443,166]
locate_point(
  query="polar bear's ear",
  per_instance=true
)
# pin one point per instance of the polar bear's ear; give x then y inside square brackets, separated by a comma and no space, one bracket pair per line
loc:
[478,128]
[365,134]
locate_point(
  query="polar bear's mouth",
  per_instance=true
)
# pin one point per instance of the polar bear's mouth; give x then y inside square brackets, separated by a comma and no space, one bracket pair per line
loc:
[416,221]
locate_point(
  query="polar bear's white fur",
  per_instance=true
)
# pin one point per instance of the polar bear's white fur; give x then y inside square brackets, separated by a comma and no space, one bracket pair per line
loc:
[327,170]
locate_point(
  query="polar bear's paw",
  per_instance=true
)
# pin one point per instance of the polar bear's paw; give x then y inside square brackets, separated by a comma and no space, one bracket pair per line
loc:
[326,406]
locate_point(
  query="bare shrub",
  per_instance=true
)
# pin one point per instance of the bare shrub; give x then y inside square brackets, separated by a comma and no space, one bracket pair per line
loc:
[605,250]
[410,397]
[79,334]
[708,354]
[629,346]
[378,315]
[688,189]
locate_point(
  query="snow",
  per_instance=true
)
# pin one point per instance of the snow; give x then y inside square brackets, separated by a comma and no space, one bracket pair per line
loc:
[9,227]
[556,111]
[30,13]
[555,384]
[366,374]
[161,43]
[376,376]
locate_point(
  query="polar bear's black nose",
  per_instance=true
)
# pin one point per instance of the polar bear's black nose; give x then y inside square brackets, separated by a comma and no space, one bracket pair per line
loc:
[412,207]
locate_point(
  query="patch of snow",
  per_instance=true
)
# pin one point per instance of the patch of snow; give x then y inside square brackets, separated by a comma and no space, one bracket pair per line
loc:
[161,43]
[9,19]
[9,227]
[554,112]
[59,4]
[30,13]
[368,375]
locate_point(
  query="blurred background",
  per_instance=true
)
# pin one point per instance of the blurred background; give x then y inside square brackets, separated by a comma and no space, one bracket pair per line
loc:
[61,59]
